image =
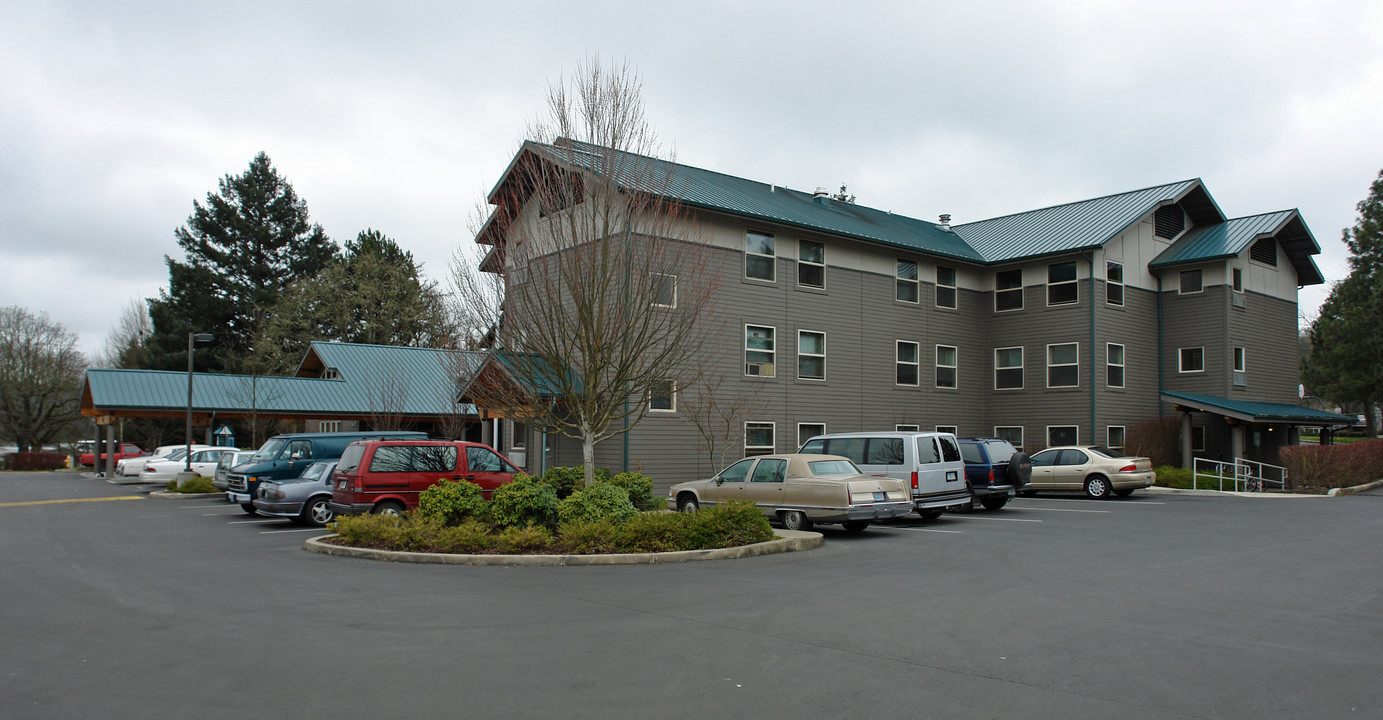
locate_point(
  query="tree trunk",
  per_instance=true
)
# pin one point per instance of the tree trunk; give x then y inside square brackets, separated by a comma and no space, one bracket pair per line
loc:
[588,457]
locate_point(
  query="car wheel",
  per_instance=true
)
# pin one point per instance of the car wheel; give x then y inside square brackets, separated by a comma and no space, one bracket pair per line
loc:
[931,513]
[249,508]
[1124,493]
[994,502]
[687,504]
[855,525]
[316,512]
[1097,486]
[389,507]
[796,520]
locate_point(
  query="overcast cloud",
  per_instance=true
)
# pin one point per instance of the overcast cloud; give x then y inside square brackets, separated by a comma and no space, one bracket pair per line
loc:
[116,116]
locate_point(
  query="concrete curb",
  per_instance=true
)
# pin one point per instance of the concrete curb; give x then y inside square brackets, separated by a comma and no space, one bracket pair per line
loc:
[165,495]
[1159,490]
[785,541]
[1336,492]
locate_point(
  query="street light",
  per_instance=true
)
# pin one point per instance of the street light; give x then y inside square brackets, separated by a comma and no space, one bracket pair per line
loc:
[191,339]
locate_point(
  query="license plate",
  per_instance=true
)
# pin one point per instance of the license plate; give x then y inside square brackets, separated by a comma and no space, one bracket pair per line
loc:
[880,497]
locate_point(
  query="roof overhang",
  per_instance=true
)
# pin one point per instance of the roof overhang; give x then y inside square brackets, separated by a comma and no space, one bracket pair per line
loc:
[1252,411]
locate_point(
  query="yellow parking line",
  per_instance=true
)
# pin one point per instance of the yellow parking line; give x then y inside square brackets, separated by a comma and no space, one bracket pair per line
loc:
[71,500]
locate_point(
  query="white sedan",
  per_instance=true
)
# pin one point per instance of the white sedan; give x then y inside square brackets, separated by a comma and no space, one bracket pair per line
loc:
[132,467]
[203,463]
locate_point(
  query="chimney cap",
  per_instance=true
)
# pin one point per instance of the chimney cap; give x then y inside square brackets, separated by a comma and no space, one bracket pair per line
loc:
[821,192]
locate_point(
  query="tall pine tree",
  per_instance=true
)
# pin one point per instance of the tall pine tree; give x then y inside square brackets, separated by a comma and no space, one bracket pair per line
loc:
[247,244]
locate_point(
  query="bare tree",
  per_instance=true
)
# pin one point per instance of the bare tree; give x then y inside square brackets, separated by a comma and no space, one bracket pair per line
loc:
[719,418]
[255,393]
[389,400]
[124,346]
[600,292]
[40,379]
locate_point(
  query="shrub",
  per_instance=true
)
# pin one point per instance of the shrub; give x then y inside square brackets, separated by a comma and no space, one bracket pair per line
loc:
[1332,466]
[656,532]
[640,489]
[587,538]
[1158,439]
[1173,477]
[601,501]
[521,540]
[373,531]
[567,480]
[524,501]
[728,524]
[450,502]
[196,484]
[35,461]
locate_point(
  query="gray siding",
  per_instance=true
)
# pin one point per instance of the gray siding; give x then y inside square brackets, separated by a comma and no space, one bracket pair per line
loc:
[1197,320]
[1266,327]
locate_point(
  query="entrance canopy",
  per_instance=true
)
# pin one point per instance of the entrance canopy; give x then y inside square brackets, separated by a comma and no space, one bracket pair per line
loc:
[1250,411]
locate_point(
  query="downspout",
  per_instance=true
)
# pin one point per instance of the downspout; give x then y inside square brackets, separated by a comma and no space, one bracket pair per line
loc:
[1093,432]
[1159,345]
[628,228]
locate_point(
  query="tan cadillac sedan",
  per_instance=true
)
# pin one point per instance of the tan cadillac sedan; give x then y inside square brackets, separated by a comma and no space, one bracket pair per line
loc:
[1097,471]
[800,489]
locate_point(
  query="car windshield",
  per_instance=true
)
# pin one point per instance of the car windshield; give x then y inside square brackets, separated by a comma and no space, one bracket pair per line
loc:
[178,454]
[833,467]
[314,471]
[270,450]
[1109,452]
[999,451]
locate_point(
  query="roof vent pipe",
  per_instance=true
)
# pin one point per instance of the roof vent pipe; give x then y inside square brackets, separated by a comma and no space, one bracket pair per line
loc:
[945,222]
[821,192]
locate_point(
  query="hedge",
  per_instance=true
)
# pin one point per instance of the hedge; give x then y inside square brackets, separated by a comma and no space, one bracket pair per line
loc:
[1333,466]
[35,461]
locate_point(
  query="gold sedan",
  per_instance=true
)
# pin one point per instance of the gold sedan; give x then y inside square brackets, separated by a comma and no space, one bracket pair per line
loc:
[1098,471]
[799,489]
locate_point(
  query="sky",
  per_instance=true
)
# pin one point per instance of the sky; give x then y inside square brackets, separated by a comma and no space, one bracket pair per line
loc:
[115,117]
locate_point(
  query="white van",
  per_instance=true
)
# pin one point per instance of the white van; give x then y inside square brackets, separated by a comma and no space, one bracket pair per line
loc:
[928,462]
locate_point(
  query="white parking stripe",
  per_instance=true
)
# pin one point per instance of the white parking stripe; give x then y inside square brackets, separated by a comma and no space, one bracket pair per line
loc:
[952,532]
[1106,512]
[1001,519]
[223,514]
[1122,503]
[252,522]
[293,530]
[223,506]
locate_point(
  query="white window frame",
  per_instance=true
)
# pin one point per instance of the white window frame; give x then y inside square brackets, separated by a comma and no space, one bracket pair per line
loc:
[328,426]
[1021,367]
[907,428]
[1122,364]
[803,438]
[899,282]
[1019,290]
[1181,282]
[1109,266]
[672,398]
[1181,357]
[802,261]
[1236,275]
[1109,437]
[1074,283]
[801,354]
[1053,427]
[954,367]
[954,430]
[772,256]
[772,352]
[1019,428]
[955,293]
[916,363]
[656,294]
[1240,361]
[760,449]
[1075,364]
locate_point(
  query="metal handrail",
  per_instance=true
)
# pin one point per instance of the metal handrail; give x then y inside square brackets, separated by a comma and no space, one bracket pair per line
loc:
[1251,474]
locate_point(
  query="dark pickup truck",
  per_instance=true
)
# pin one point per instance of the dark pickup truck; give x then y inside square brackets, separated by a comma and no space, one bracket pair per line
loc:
[994,470]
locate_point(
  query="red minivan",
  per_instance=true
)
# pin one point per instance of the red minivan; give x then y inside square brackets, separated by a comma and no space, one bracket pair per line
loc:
[386,476]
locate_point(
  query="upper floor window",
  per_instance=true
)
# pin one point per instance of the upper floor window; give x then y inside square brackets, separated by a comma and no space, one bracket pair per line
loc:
[1190,282]
[1191,360]
[1114,365]
[907,281]
[1061,284]
[1238,279]
[1114,283]
[662,396]
[758,350]
[945,287]
[1008,368]
[1008,290]
[664,290]
[811,355]
[1264,251]
[811,264]
[1168,221]
[1241,378]
[907,363]
[759,263]
[1063,365]
[946,357]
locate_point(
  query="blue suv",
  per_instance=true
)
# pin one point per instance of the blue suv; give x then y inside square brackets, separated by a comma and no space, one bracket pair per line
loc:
[994,470]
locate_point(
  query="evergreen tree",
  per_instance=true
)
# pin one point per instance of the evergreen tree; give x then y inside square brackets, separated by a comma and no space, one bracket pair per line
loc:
[245,246]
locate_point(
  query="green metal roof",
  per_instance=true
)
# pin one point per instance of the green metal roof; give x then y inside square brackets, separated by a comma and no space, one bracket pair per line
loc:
[1254,411]
[1230,238]
[422,381]
[167,390]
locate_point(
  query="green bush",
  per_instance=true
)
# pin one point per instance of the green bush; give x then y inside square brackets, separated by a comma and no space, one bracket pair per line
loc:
[451,502]
[524,501]
[567,480]
[196,484]
[728,524]
[640,489]
[587,538]
[601,501]
[656,532]
[524,540]
[1173,477]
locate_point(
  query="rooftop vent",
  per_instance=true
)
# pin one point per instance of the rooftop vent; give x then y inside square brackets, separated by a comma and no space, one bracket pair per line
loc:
[822,196]
[945,222]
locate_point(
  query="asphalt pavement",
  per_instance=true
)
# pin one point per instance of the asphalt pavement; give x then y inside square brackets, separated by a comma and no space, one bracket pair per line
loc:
[1155,606]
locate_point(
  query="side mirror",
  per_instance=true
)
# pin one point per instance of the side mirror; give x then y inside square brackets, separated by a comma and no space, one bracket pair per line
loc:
[718,481]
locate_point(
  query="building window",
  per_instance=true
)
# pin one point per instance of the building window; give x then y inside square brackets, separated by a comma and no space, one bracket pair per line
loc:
[1190,282]
[1008,290]
[946,357]
[1114,365]
[946,429]
[758,350]
[662,396]
[1197,438]
[907,281]
[328,426]
[758,438]
[907,363]
[1063,435]
[1241,378]
[906,428]
[331,374]
[664,290]
[1114,437]
[1238,275]
[1063,368]
[1191,360]
[517,436]
[811,355]
[945,287]
[807,431]
[1168,221]
[758,256]
[811,264]
[1008,368]
[1264,251]
[1061,284]
[1012,433]
[1114,283]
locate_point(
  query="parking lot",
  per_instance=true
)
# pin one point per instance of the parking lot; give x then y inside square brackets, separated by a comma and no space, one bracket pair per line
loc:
[1156,606]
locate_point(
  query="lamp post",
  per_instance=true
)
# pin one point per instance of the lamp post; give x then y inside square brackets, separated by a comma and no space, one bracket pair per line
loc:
[191,339]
